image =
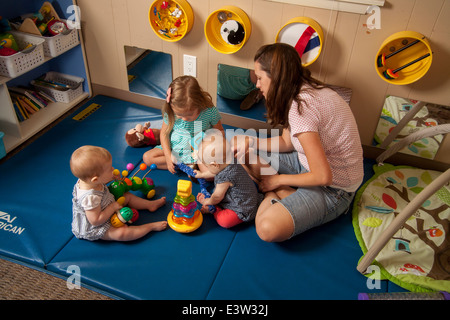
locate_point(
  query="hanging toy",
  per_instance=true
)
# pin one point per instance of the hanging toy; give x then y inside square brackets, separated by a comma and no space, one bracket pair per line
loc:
[381,60]
[232,32]
[392,74]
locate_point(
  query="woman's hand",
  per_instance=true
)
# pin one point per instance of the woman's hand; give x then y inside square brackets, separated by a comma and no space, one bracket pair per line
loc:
[240,146]
[269,183]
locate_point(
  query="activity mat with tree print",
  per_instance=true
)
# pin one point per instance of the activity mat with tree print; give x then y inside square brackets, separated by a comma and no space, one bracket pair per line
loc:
[417,257]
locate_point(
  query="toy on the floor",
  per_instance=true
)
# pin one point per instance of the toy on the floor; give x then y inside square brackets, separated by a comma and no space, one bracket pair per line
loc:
[142,136]
[189,171]
[124,184]
[184,216]
[123,216]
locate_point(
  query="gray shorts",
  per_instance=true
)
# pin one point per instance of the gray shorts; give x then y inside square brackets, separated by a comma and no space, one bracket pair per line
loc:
[313,206]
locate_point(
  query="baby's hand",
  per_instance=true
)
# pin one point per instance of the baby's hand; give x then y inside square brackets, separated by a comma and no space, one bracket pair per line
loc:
[201,197]
[116,206]
[198,174]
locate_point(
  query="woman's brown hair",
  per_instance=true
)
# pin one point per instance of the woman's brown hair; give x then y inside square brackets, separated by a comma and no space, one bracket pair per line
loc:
[186,94]
[284,67]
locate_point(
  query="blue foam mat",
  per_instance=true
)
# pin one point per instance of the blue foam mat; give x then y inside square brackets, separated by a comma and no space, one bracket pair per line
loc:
[38,192]
[318,264]
[211,263]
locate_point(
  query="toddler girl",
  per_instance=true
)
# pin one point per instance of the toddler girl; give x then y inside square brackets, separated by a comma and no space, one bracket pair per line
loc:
[235,195]
[187,113]
[93,204]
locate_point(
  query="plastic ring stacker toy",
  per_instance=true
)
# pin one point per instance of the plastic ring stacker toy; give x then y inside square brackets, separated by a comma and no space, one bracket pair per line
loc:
[227,29]
[403,58]
[171,20]
[184,216]
[305,35]
[184,228]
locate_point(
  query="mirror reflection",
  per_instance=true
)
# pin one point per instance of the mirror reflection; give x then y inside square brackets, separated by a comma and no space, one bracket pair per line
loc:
[237,93]
[149,72]
[416,116]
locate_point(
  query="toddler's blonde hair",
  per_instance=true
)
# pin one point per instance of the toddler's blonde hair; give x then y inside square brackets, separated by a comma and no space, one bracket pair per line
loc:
[89,161]
[215,148]
[186,94]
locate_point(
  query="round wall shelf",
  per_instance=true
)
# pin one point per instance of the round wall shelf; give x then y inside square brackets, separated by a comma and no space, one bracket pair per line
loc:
[305,35]
[228,29]
[171,20]
[403,58]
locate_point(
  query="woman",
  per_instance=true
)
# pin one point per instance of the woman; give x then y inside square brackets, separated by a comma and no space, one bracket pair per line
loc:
[320,153]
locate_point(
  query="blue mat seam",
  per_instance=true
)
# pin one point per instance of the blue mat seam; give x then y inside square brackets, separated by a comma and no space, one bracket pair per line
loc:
[56,253]
[221,265]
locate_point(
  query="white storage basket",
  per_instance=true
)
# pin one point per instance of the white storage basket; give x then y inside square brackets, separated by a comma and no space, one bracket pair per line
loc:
[67,95]
[55,45]
[21,62]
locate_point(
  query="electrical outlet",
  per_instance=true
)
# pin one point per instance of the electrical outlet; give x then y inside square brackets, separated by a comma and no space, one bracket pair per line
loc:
[190,65]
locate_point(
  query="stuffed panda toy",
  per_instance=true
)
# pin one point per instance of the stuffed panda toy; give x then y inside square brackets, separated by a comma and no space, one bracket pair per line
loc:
[232,32]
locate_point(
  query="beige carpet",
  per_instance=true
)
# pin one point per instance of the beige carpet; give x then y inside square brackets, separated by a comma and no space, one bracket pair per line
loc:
[18,282]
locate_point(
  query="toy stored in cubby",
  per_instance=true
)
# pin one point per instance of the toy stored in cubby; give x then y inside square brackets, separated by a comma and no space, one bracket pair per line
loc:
[59,42]
[26,59]
[403,58]
[171,20]
[61,87]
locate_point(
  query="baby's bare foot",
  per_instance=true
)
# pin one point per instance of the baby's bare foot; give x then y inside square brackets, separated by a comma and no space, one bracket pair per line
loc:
[156,204]
[159,226]
[205,209]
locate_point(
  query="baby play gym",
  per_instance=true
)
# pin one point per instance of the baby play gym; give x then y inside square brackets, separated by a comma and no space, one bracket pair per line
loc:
[104,73]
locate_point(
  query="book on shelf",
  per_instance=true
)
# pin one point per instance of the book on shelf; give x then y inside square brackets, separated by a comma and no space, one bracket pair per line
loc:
[19,113]
[28,101]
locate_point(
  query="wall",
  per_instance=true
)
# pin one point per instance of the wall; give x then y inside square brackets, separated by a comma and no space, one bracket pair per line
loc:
[347,58]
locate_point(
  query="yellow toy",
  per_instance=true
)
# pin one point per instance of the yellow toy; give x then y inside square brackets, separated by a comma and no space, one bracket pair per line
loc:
[184,216]
[123,216]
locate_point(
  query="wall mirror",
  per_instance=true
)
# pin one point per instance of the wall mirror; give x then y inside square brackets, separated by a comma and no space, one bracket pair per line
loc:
[401,117]
[234,85]
[149,72]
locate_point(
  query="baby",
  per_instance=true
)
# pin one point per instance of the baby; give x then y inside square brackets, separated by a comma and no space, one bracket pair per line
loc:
[93,204]
[235,195]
